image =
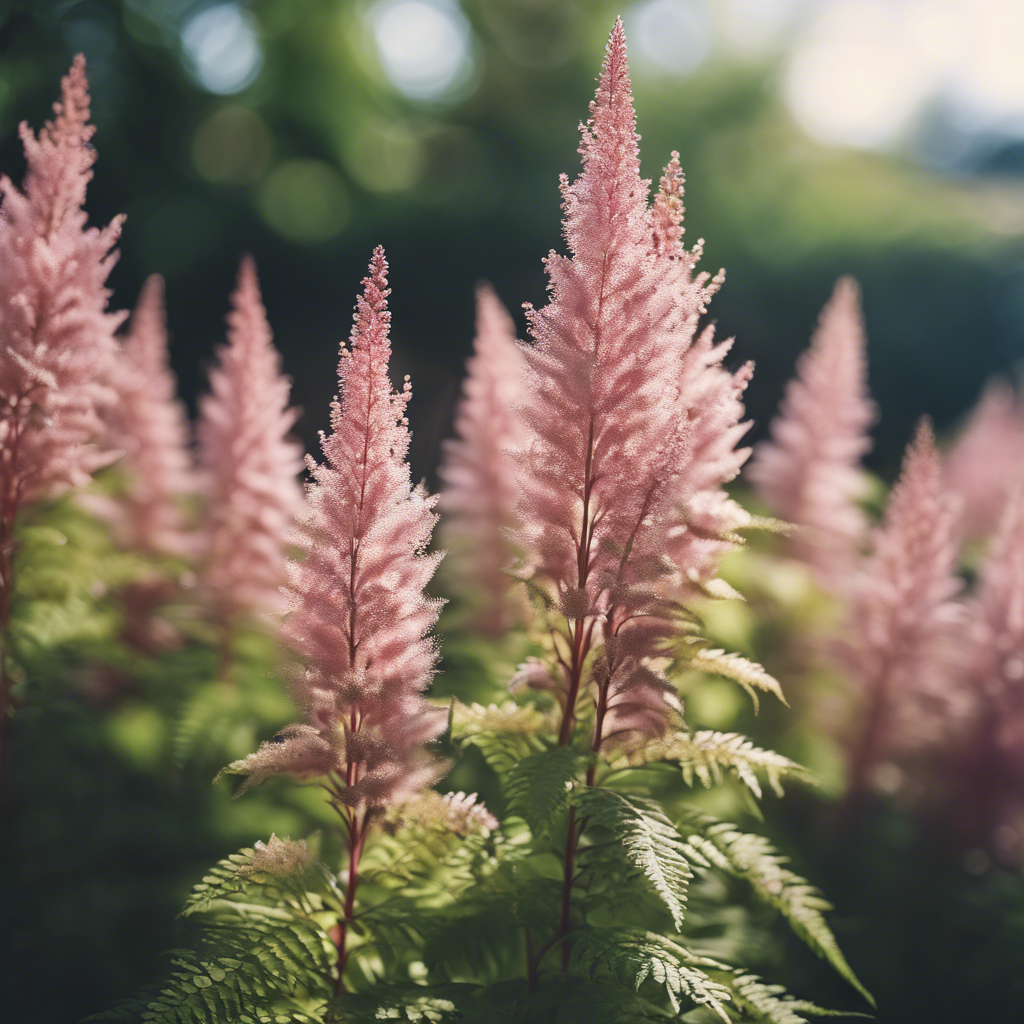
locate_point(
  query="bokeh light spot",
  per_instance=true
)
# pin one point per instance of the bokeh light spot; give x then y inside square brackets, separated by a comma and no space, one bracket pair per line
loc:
[305,201]
[221,50]
[671,36]
[383,157]
[424,46]
[233,145]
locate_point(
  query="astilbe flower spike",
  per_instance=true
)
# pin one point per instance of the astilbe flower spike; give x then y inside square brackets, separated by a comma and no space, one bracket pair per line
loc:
[360,620]
[56,336]
[987,459]
[150,426]
[809,472]
[711,396]
[480,487]
[898,649]
[988,761]
[249,467]
[625,415]
[624,418]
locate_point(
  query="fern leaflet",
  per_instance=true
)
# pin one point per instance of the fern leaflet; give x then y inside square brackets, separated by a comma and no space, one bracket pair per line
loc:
[651,842]
[537,787]
[750,856]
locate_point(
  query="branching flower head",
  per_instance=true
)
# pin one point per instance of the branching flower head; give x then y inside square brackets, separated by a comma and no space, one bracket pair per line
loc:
[987,459]
[625,417]
[899,650]
[360,620]
[250,466]
[149,425]
[479,475]
[809,472]
[56,337]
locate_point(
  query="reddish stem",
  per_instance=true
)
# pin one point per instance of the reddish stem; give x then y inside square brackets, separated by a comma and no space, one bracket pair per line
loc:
[357,839]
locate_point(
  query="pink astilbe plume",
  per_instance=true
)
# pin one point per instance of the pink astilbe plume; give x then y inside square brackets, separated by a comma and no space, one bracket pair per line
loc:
[360,620]
[710,394]
[988,763]
[898,650]
[809,472]
[625,416]
[249,465]
[987,458]
[56,336]
[149,425]
[480,487]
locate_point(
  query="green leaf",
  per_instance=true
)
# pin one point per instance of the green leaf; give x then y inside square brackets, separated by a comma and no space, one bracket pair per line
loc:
[537,787]
[651,842]
[708,756]
[751,676]
[771,1004]
[750,856]
[634,956]
[504,733]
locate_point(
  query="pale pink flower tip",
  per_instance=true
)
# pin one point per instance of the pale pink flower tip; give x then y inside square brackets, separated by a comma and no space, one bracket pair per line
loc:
[478,470]
[150,426]
[249,463]
[900,649]
[987,459]
[809,473]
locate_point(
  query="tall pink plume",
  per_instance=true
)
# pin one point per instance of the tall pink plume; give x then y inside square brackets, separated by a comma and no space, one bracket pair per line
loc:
[988,458]
[361,620]
[56,337]
[809,472]
[988,762]
[621,416]
[480,487]
[249,464]
[149,425]
[899,650]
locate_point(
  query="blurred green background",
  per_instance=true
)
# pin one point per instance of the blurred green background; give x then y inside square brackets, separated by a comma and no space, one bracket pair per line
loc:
[880,139]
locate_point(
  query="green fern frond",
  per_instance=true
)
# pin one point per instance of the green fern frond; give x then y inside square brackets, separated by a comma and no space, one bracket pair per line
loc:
[771,1004]
[650,841]
[261,953]
[633,957]
[751,676]
[750,856]
[708,755]
[537,787]
[504,733]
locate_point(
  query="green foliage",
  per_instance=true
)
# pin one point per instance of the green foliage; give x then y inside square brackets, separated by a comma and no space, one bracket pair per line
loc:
[537,787]
[633,957]
[751,676]
[261,953]
[709,756]
[504,734]
[771,1004]
[752,857]
[650,841]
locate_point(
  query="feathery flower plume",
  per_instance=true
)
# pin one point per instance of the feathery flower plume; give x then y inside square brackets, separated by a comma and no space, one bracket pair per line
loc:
[989,763]
[711,395]
[987,458]
[360,620]
[479,474]
[150,426]
[250,466]
[631,427]
[898,649]
[56,336]
[809,473]
[631,430]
